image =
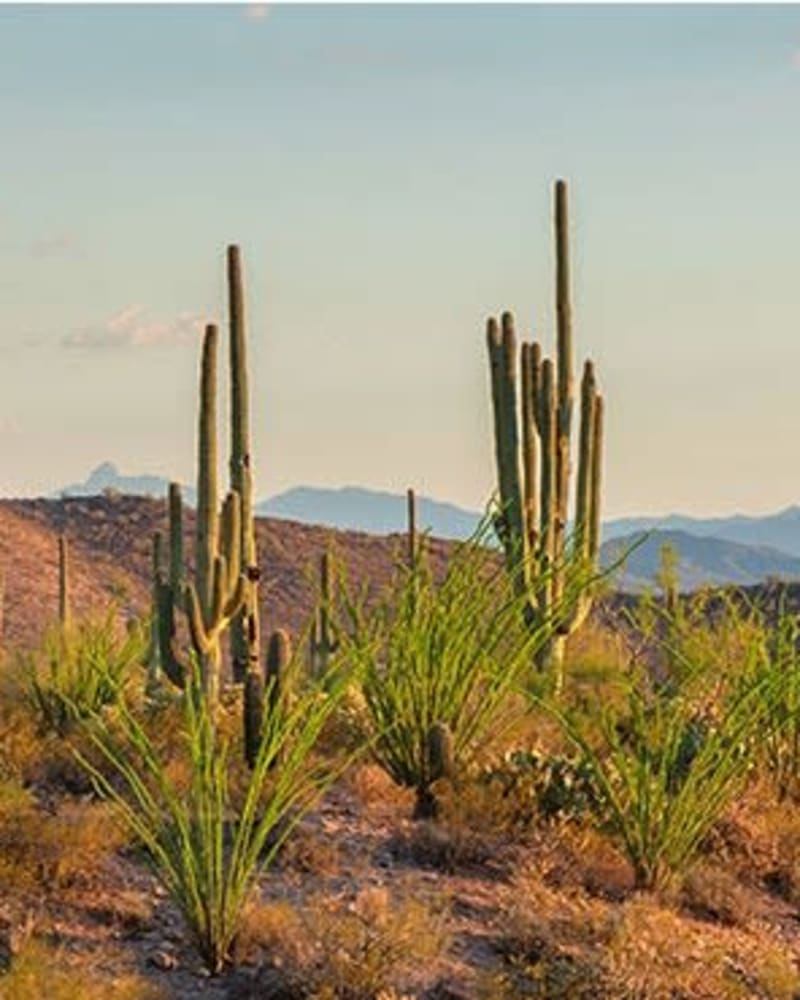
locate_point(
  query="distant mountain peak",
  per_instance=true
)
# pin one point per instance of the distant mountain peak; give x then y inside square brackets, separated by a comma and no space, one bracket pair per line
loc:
[105,474]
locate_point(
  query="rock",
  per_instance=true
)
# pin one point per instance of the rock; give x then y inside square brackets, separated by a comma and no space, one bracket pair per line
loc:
[164,960]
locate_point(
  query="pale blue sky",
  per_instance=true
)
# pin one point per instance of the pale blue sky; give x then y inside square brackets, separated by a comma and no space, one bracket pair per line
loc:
[387,171]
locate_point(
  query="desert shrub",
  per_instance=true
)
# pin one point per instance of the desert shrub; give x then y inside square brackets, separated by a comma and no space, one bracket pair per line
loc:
[559,944]
[207,849]
[540,785]
[440,657]
[331,949]
[81,669]
[52,850]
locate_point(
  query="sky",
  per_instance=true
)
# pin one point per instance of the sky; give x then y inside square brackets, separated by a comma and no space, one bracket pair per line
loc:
[388,171]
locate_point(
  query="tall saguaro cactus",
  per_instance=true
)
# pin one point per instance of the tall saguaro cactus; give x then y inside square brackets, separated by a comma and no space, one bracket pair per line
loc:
[245,627]
[533,431]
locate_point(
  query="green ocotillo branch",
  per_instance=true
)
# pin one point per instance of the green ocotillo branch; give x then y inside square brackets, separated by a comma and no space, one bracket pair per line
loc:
[532,399]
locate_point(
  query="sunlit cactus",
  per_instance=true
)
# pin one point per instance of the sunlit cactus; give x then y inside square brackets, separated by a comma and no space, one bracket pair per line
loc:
[245,626]
[324,640]
[532,432]
[262,696]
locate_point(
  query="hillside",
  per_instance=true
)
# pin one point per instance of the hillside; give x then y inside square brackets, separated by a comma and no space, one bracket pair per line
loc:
[110,545]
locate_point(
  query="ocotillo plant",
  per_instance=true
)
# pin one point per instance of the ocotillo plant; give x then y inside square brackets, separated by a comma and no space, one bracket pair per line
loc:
[261,696]
[532,446]
[245,627]
[64,609]
[323,641]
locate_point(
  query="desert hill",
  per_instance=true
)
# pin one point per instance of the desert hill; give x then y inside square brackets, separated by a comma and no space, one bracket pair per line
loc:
[110,540]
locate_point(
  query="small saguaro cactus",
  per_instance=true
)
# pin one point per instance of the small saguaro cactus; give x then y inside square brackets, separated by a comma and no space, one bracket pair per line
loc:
[153,650]
[261,696]
[324,640]
[64,607]
[440,766]
[412,551]
[532,448]
[245,626]
[169,594]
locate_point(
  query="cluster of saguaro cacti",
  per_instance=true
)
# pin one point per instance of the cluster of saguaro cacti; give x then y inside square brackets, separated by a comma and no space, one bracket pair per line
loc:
[217,592]
[223,593]
[323,641]
[263,695]
[532,446]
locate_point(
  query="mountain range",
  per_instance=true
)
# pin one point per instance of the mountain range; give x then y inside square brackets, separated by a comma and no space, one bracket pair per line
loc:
[739,549]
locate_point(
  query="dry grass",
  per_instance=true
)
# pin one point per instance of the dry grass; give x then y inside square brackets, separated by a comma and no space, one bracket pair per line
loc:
[53,851]
[711,892]
[335,950]
[562,944]
[40,971]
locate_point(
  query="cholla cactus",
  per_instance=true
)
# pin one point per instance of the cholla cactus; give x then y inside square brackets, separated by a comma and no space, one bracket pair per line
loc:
[532,446]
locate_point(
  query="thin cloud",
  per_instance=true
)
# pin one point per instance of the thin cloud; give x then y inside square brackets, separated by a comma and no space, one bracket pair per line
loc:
[256,11]
[55,245]
[132,327]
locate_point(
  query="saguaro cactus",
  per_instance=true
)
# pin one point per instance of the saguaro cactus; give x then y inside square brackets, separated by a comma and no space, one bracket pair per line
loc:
[279,654]
[245,627]
[153,650]
[64,608]
[412,550]
[323,641]
[532,447]
[169,594]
